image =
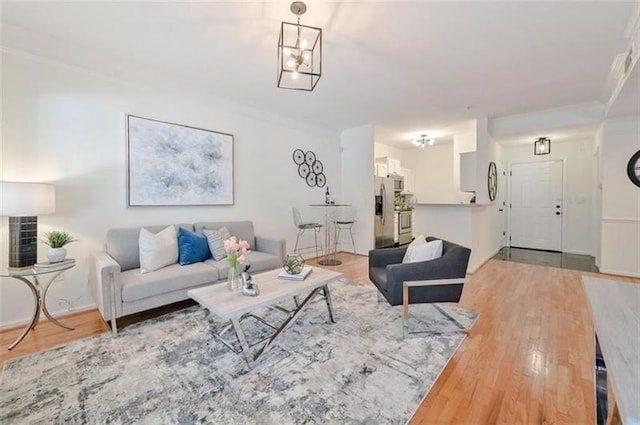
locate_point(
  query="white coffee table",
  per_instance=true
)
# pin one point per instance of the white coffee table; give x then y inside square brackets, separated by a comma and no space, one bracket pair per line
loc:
[233,306]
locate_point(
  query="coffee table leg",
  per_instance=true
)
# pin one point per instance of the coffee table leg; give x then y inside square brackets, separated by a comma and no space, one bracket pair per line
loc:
[327,298]
[242,339]
[292,318]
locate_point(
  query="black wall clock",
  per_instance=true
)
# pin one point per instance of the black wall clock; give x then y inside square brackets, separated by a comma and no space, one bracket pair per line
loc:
[633,169]
[309,168]
[492,181]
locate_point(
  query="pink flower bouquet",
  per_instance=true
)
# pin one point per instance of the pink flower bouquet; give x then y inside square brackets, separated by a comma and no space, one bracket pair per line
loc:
[237,251]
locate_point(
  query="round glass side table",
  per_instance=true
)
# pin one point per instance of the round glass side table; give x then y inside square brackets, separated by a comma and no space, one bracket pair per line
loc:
[31,278]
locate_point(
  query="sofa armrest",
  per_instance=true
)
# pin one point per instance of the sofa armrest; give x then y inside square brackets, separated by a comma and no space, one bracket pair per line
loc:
[272,246]
[103,271]
[384,257]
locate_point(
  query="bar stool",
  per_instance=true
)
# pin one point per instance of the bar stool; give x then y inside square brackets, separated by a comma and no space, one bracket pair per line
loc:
[303,227]
[344,220]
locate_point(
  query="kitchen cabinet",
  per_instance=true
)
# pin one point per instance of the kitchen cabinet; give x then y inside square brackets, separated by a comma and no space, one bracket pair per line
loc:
[468,172]
[409,180]
[381,170]
[393,165]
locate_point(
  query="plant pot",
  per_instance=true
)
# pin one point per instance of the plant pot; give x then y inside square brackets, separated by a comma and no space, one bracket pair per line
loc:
[56,255]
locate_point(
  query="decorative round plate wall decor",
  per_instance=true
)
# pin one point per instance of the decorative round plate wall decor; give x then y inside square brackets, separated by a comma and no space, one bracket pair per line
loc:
[303,170]
[633,169]
[298,156]
[492,181]
[310,169]
[310,158]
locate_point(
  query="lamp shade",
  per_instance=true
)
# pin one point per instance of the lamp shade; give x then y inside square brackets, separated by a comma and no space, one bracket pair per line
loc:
[26,199]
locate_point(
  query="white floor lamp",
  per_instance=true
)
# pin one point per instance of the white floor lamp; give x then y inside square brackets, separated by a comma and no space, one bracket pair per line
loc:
[22,203]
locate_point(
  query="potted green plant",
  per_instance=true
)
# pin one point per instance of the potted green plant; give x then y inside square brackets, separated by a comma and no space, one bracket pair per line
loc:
[56,240]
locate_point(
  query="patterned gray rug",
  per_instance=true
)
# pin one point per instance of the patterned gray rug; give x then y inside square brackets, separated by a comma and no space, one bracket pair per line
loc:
[170,370]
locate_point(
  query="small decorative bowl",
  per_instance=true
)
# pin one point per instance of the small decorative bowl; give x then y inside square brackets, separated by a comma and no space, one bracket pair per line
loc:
[293,264]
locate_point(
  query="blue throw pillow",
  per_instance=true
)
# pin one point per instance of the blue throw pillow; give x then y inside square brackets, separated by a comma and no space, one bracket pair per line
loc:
[192,247]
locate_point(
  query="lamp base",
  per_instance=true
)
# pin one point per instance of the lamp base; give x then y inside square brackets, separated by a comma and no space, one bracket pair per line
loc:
[23,241]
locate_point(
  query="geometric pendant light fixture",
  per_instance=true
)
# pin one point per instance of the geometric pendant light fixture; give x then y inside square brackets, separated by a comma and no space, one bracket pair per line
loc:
[299,53]
[542,146]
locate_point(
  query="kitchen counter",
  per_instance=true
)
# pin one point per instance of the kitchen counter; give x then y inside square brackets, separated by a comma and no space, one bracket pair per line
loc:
[467,204]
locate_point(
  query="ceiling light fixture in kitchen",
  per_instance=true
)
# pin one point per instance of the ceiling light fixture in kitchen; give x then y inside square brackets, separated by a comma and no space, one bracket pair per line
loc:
[299,53]
[423,141]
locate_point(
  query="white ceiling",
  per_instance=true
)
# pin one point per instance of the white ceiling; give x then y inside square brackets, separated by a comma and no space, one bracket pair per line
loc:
[408,67]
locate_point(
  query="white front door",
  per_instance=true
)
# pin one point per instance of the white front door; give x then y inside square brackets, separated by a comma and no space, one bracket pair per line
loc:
[536,205]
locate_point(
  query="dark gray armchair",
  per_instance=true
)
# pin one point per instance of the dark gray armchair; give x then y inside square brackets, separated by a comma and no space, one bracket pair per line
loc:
[434,281]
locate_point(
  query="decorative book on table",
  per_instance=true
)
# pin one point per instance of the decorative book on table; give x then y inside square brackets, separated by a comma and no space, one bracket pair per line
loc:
[300,276]
[46,265]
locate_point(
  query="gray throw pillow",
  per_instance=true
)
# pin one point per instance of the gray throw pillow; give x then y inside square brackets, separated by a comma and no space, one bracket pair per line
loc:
[216,239]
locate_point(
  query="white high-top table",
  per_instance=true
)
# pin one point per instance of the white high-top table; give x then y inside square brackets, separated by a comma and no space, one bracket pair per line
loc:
[233,306]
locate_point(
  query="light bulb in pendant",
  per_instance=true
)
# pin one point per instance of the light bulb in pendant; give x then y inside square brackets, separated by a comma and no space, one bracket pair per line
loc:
[291,63]
[303,44]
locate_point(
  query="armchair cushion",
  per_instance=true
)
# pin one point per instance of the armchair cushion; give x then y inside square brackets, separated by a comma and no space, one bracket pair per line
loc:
[423,252]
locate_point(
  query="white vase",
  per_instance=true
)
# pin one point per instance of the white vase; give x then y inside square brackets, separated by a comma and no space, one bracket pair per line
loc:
[56,255]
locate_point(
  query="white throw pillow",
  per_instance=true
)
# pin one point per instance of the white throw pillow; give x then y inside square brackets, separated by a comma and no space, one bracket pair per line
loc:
[425,252]
[157,250]
[417,241]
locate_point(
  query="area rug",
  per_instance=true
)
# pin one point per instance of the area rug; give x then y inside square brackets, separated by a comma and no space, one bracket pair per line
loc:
[169,370]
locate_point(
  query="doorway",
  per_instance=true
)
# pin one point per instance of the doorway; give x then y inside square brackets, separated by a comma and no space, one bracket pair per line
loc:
[535,205]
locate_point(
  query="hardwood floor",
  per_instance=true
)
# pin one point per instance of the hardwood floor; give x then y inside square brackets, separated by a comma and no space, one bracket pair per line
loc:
[528,360]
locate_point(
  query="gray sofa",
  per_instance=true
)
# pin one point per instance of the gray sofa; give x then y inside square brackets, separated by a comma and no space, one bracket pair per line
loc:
[119,289]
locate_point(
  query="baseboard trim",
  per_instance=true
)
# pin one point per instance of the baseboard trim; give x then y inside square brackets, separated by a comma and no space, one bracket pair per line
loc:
[577,252]
[619,273]
[58,314]
[484,261]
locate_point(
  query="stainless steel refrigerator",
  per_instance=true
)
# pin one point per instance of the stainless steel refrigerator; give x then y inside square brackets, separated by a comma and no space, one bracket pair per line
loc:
[384,201]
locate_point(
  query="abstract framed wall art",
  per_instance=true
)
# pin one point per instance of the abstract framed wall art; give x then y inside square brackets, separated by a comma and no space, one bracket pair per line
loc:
[173,164]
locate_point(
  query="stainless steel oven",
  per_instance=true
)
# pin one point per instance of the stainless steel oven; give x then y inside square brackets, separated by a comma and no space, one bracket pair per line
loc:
[405,227]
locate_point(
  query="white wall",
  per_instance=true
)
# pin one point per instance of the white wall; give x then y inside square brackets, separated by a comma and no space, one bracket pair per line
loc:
[433,173]
[578,204]
[65,125]
[357,148]
[381,150]
[620,237]
[450,222]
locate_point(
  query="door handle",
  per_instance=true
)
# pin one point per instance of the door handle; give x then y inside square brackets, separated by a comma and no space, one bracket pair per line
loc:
[557,212]
[557,206]
[500,210]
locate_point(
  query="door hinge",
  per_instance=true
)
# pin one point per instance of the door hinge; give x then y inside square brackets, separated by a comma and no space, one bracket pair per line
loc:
[509,205]
[509,238]
[511,173]
[504,233]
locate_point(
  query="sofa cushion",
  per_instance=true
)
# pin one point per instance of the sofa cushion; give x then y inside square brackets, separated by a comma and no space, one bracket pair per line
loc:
[193,247]
[260,262]
[136,285]
[122,244]
[157,250]
[215,239]
[240,229]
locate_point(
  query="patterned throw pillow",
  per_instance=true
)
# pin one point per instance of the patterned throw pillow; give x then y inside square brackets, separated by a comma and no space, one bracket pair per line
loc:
[216,240]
